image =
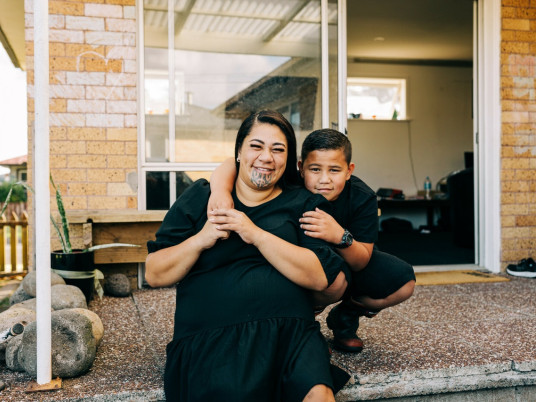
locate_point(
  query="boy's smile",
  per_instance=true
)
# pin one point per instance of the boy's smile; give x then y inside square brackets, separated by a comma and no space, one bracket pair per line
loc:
[325,172]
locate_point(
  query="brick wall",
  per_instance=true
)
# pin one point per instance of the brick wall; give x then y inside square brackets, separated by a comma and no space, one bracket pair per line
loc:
[518,148]
[93,108]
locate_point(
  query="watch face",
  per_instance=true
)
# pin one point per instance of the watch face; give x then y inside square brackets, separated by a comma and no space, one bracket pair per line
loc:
[347,240]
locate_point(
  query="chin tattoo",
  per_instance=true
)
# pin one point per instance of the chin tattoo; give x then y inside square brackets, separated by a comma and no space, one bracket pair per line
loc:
[261,180]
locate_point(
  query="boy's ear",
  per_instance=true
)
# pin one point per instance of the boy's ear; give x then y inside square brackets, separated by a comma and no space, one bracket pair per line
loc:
[351,167]
[300,168]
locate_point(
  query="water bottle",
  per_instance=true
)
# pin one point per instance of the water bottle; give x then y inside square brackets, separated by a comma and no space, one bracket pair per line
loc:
[427,188]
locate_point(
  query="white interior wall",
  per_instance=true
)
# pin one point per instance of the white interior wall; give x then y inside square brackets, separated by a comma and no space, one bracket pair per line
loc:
[438,131]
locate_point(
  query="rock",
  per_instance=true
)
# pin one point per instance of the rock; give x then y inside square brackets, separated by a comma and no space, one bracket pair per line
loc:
[19,296]
[28,283]
[9,318]
[73,345]
[30,304]
[67,296]
[117,285]
[12,353]
[96,323]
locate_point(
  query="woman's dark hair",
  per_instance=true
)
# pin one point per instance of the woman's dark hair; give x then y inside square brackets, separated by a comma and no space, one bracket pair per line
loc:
[290,176]
[326,139]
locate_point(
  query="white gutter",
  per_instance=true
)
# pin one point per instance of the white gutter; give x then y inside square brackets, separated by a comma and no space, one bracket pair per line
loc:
[324,57]
[42,192]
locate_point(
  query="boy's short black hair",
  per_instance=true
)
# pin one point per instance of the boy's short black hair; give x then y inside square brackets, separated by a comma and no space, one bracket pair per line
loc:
[326,139]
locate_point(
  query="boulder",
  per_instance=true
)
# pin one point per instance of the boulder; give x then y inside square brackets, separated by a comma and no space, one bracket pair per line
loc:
[12,353]
[30,304]
[67,296]
[117,285]
[19,296]
[73,345]
[96,323]
[28,283]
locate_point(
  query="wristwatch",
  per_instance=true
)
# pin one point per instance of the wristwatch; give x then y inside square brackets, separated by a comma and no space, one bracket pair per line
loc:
[347,240]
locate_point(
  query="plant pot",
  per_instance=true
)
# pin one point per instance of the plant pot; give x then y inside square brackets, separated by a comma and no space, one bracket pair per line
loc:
[76,268]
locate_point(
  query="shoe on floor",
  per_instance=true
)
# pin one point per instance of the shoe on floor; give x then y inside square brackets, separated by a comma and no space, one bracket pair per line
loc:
[344,322]
[526,268]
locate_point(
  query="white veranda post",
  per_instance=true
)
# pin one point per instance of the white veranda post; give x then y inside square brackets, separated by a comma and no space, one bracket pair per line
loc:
[42,191]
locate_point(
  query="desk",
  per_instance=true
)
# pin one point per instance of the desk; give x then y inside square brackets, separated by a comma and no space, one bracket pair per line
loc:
[428,205]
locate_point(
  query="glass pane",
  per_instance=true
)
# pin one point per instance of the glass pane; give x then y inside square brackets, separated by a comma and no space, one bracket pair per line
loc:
[373,98]
[156,82]
[233,58]
[157,190]
[158,186]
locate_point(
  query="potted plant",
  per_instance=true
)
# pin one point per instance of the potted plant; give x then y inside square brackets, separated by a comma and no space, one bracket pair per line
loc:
[75,266]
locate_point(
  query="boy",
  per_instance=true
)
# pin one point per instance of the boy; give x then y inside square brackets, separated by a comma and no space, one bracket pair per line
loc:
[377,280]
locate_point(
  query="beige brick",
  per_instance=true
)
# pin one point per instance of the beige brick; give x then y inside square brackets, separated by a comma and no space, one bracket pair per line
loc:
[86,161]
[105,120]
[121,106]
[132,202]
[103,38]
[508,221]
[121,161]
[106,175]
[514,209]
[515,47]
[69,175]
[123,189]
[67,119]
[129,12]
[121,134]
[58,161]
[131,120]
[65,7]
[73,203]
[67,91]
[58,133]
[57,77]
[104,92]
[508,198]
[102,10]
[86,133]
[129,39]
[85,78]
[121,52]
[514,186]
[86,106]
[84,23]
[121,79]
[83,50]
[131,66]
[115,66]
[106,148]
[120,25]
[55,49]
[58,105]
[131,148]
[67,36]
[86,188]
[514,117]
[67,147]
[107,202]
[515,24]
[525,175]
[131,93]
[63,63]
[515,163]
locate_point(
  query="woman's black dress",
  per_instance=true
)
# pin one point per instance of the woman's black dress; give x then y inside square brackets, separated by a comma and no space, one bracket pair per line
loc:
[243,332]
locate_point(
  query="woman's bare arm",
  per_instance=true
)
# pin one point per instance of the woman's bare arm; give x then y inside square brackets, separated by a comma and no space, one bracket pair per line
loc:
[298,264]
[170,265]
[221,186]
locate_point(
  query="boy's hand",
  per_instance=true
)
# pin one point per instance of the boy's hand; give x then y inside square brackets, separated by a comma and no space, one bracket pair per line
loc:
[219,200]
[231,220]
[321,225]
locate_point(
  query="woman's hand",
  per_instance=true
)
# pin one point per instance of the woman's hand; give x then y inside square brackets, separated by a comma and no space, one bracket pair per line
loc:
[236,221]
[219,200]
[321,225]
[210,234]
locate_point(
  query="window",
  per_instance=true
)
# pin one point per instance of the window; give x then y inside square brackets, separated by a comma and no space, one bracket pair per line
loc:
[376,98]
[206,67]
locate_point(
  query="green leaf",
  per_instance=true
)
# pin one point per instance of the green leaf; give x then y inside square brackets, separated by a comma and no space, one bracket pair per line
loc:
[65,223]
[63,247]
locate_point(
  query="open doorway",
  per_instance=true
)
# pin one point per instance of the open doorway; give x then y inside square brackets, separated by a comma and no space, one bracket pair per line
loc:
[429,46]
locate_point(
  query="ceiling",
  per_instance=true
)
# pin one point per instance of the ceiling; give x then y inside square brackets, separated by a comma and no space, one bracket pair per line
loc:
[411,29]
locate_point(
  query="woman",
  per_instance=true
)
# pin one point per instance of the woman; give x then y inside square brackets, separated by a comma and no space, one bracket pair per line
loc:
[244,323]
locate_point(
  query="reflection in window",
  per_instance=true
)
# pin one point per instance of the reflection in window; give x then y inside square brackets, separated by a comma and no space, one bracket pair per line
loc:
[158,187]
[376,98]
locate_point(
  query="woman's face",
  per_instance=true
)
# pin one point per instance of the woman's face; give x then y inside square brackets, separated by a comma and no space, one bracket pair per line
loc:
[263,156]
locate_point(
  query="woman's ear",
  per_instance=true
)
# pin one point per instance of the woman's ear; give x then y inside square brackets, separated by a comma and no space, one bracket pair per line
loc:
[300,168]
[351,167]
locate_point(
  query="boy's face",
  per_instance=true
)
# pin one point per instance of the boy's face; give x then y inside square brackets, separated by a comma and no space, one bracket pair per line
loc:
[326,172]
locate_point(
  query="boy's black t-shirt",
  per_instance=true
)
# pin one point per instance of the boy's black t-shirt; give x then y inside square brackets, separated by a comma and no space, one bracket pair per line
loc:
[356,209]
